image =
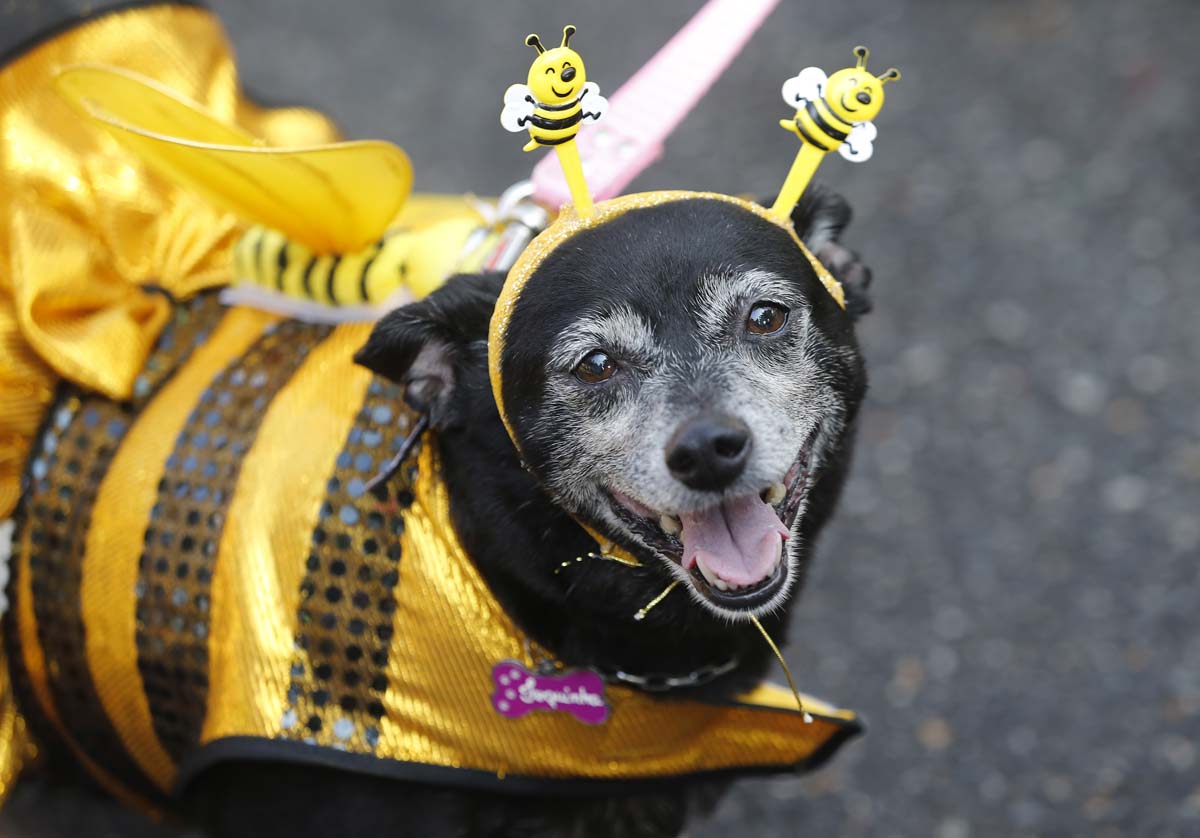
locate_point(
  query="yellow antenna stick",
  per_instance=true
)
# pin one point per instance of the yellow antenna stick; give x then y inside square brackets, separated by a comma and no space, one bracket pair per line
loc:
[832,112]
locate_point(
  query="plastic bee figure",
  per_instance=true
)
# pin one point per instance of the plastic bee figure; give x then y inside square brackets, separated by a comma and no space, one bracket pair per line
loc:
[836,111]
[832,112]
[556,97]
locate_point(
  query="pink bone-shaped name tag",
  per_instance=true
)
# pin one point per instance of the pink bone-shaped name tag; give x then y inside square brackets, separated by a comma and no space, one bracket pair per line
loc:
[518,692]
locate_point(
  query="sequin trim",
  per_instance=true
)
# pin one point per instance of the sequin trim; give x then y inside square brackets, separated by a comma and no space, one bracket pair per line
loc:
[350,587]
[68,465]
[181,542]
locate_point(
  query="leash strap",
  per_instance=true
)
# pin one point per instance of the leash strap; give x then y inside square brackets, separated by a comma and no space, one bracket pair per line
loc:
[648,107]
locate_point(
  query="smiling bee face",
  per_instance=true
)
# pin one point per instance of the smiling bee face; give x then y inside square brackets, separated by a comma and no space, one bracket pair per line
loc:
[556,76]
[854,95]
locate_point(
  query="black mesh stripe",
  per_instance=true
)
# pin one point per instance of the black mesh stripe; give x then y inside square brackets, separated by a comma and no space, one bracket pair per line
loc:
[348,594]
[190,326]
[181,542]
[78,440]
[66,469]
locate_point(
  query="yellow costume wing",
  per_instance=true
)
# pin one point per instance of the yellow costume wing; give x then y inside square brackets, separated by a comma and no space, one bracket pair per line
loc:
[332,198]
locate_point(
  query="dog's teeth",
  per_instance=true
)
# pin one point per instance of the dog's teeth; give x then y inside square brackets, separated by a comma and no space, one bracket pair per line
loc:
[720,584]
[706,573]
[774,494]
[670,524]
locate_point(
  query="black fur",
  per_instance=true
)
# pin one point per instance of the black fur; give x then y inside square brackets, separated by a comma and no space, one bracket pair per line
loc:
[824,215]
[517,536]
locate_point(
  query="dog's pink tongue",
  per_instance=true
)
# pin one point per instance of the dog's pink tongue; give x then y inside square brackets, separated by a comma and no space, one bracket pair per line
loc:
[738,540]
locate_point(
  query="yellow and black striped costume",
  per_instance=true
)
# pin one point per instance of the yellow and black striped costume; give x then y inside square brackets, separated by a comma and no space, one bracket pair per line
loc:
[198,574]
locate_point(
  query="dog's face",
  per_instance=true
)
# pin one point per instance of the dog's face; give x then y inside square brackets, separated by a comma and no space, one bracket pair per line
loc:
[678,380]
[679,391]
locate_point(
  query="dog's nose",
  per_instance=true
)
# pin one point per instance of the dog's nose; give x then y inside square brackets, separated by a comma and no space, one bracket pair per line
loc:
[568,74]
[709,451]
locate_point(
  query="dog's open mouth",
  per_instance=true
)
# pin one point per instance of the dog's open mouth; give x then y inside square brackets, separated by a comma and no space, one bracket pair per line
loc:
[733,550]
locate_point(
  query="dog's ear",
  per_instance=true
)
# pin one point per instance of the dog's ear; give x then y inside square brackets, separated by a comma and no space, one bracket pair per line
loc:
[820,218]
[425,345]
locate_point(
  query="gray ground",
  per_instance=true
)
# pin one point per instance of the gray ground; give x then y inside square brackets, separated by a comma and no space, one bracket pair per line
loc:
[1010,591]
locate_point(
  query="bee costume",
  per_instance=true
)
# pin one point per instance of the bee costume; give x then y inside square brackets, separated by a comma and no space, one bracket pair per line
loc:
[198,571]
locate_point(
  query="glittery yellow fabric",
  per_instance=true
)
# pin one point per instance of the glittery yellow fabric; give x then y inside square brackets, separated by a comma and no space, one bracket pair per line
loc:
[85,226]
[442,692]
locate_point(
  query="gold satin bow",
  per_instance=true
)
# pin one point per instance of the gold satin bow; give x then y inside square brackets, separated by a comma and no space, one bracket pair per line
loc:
[88,232]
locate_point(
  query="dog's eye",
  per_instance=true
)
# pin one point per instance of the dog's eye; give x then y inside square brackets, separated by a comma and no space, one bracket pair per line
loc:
[765,318]
[595,367]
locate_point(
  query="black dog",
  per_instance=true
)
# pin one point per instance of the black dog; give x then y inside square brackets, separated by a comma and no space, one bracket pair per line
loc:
[690,361]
